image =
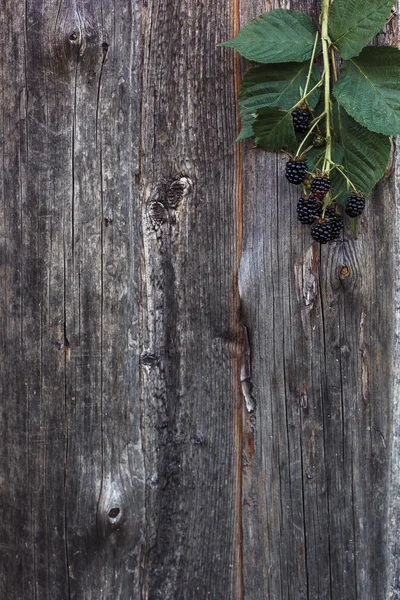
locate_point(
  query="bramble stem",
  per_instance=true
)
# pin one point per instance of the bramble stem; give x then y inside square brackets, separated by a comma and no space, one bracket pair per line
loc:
[311,66]
[333,64]
[327,82]
[316,86]
[351,184]
[308,134]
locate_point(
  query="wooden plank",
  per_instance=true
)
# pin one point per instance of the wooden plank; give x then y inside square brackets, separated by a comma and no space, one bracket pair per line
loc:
[134,464]
[315,488]
[73,474]
[190,360]
[120,346]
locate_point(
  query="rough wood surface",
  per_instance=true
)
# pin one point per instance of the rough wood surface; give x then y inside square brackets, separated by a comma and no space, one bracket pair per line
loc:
[120,339]
[317,446]
[162,436]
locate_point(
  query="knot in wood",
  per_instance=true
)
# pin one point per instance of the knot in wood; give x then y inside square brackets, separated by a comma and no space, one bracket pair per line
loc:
[113,513]
[177,191]
[344,272]
[157,213]
[148,360]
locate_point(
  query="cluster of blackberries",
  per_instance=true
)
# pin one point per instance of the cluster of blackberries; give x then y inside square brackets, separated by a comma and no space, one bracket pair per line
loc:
[325,225]
[296,172]
[324,228]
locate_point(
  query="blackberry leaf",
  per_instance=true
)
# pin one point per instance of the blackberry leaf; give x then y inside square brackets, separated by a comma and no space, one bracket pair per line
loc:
[369,88]
[278,36]
[365,154]
[353,23]
[268,86]
[273,130]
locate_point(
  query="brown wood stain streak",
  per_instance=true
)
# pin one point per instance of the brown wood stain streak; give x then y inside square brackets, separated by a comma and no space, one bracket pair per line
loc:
[240,417]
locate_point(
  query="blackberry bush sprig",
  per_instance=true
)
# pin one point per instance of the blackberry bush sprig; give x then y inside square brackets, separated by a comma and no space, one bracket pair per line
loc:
[294,103]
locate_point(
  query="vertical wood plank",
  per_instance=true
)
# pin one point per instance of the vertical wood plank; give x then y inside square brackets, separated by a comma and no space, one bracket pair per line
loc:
[119,263]
[73,468]
[315,487]
[189,316]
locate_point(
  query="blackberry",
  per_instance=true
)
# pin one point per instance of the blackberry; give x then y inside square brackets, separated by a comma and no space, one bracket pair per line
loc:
[337,226]
[301,119]
[355,205]
[330,212]
[322,231]
[318,141]
[296,171]
[307,210]
[320,186]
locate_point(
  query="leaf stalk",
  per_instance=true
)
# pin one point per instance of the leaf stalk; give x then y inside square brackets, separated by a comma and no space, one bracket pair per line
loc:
[327,83]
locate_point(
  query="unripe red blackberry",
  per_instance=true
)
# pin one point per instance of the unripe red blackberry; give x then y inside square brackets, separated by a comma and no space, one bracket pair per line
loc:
[320,186]
[322,231]
[355,205]
[307,210]
[296,171]
[301,119]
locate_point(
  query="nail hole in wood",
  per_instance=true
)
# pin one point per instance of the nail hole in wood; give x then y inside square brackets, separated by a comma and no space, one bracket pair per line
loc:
[73,37]
[114,512]
[104,46]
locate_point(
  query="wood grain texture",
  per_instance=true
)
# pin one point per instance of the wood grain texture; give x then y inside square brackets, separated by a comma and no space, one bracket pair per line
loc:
[317,446]
[120,337]
[172,429]
[189,321]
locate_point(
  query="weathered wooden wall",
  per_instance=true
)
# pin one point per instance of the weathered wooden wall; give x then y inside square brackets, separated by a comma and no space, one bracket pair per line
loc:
[146,267]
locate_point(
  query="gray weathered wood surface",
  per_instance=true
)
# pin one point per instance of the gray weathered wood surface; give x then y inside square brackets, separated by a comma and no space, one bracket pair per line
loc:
[146,267]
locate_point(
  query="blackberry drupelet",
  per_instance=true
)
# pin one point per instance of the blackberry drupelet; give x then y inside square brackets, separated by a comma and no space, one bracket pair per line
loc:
[296,171]
[307,210]
[322,232]
[355,205]
[301,119]
[320,186]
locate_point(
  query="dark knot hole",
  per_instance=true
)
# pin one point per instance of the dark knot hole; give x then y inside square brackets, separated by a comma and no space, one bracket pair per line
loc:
[114,512]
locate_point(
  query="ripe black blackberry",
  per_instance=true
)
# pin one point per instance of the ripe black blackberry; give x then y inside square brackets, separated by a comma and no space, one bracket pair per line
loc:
[330,212]
[322,231]
[320,186]
[337,226]
[301,119]
[355,205]
[296,171]
[307,210]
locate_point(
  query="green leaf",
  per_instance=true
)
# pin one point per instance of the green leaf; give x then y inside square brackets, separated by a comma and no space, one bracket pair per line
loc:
[268,86]
[315,156]
[273,130]
[365,154]
[280,35]
[353,23]
[369,89]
